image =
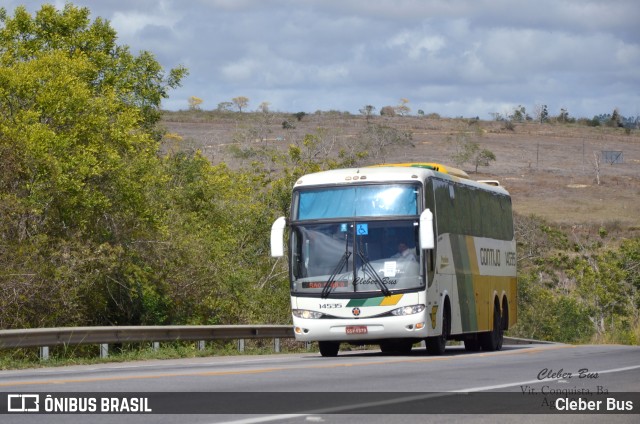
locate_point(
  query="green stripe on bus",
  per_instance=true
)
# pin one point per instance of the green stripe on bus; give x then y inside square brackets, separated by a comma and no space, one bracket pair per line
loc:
[356,302]
[464,280]
[375,301]
[372,301]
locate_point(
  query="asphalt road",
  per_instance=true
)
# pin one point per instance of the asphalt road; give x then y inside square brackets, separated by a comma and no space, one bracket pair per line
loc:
[355,387]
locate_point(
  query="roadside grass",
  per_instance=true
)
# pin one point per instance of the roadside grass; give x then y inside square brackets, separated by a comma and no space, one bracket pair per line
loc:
[25,358]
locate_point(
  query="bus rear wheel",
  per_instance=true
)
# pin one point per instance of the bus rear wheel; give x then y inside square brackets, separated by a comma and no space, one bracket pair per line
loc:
[492,340]
[329,349]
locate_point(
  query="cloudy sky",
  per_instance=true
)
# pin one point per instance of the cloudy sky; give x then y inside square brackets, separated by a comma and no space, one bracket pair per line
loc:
[452,57]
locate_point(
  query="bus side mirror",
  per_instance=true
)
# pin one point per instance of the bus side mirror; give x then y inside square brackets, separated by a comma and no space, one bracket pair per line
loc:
[427,240]
[277,237]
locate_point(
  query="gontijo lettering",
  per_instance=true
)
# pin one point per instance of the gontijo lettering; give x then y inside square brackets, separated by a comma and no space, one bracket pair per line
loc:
[493,257]
[490,257]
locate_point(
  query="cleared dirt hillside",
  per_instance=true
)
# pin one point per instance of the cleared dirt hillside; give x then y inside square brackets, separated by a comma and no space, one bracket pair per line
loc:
[550,169]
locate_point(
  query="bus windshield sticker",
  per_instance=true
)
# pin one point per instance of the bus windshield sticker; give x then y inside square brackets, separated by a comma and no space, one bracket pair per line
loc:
[390,269]
[362,229]
[343,228]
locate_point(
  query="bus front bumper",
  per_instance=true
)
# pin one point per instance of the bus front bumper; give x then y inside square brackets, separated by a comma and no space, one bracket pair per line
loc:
[355,330]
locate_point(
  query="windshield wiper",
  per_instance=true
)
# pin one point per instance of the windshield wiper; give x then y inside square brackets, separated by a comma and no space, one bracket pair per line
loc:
[368,269]
[329,284]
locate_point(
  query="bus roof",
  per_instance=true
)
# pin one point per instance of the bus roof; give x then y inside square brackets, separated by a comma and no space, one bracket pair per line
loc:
[390,173]
[445,169]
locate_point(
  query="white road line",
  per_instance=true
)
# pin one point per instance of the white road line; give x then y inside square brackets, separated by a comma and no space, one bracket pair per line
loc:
[338,409]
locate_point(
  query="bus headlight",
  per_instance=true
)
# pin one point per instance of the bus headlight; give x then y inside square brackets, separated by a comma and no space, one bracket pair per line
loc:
[408,310]
[306,314]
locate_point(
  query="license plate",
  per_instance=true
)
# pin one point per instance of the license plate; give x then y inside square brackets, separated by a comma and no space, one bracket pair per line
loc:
[356,329]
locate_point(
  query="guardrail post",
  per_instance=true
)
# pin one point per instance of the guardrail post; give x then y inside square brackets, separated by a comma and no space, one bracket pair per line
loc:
[44,353]
[104,350]
[241,345]
[201,345]
[276,344]
[156,346]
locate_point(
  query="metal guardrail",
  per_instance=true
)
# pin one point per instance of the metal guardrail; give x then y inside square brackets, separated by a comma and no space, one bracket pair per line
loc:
[95,335]
[45,337]
[103,336]
[510,341]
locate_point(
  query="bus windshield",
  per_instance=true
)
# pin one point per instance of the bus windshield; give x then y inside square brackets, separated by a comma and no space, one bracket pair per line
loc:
[356,200]
[355,256]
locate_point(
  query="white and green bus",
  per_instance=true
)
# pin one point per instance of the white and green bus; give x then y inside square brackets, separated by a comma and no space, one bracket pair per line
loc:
[396,254]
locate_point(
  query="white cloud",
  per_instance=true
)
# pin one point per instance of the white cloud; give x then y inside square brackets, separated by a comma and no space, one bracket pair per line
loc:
[240,71]
[128,23]
[331,74]
[417,45]
[461,57]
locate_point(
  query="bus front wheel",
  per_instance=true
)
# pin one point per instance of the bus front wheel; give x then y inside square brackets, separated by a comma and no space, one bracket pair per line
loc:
[329,348]
[437,345]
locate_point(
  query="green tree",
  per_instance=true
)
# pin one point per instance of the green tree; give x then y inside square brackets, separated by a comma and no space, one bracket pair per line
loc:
[545,315]
[240,102]
[376,140]
[79,168]
[483,157]
[224,106]
[264,107]
[469,151]
[574,290]
[402,109]
[137,81]
[564,115]
[388,111]
[519,114]
[607,283]
[367,111]
[217,251]
[616,119]
[541,113]
[194,103]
